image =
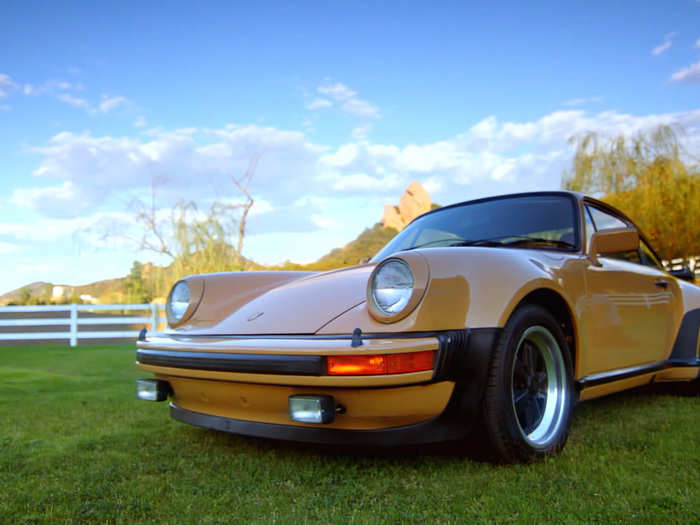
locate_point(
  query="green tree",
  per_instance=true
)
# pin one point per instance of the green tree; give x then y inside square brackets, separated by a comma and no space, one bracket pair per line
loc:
[135,286]
[25,295]
[648,177]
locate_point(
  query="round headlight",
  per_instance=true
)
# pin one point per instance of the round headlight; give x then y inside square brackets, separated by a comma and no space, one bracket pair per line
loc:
[392,286]
[178,302]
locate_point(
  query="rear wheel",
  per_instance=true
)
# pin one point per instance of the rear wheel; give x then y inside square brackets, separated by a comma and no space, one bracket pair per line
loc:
[530,398]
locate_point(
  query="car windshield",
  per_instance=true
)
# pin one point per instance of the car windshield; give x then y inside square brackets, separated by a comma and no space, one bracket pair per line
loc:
[539,221]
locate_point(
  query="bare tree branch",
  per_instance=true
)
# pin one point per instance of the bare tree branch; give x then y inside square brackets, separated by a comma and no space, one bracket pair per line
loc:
[242,184]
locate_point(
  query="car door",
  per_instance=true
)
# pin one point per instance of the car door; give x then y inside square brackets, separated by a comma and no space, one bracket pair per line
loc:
[630,304]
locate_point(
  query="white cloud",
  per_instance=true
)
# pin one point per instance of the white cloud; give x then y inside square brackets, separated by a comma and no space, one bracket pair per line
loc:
[690,73]
[337,91]
[661,48]
[65,92]
[361,132]
[319,103]
[347,100]
[73,101]
[665,46]
[109,103]
[361,108]
[195,163]
[300,186]
[140,122]
[323,222]
[65,200]
[697,43]
[6,85]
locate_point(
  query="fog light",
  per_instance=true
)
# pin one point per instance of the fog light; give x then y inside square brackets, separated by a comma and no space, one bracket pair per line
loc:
[153,389]
[311,409]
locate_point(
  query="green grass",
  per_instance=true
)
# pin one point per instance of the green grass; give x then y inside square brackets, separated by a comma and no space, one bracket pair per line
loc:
[76,446]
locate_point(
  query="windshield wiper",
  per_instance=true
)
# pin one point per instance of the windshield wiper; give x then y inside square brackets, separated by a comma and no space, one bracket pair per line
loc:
[493,241]
[457,242]
[524,239]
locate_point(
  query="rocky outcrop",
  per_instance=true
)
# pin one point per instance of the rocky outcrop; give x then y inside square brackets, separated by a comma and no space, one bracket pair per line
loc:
[415,201]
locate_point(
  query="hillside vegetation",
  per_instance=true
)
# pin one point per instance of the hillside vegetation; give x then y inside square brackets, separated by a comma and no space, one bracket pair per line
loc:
[368,243]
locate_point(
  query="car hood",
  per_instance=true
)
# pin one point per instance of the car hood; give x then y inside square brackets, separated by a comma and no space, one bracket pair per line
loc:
[302,306]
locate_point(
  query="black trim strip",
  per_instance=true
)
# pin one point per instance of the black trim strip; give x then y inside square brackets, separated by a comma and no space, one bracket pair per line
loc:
[320,337]
[447,426]
[626,373]
[686,344]
[250,363]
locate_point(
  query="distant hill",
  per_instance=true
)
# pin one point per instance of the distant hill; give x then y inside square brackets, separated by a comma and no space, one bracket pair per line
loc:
[414,202]
[44,292]
[369,242]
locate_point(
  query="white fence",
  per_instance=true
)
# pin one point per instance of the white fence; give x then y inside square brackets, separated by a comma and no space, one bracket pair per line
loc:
[74,322]
[692,262]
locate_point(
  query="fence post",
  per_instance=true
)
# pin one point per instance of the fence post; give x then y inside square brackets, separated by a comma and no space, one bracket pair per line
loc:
[73,324]
[154,317]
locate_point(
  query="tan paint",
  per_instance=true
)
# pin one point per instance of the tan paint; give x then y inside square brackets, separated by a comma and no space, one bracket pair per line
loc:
[229,291]
[366,408]
[276,379]
[311,299]
[612,241]
[677,374]
[630,321]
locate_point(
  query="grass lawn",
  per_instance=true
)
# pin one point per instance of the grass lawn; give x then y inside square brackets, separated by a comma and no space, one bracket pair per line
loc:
[77,446]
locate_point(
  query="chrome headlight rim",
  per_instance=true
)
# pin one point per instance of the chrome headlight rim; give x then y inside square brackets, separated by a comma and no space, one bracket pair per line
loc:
[418,267]
[195,288]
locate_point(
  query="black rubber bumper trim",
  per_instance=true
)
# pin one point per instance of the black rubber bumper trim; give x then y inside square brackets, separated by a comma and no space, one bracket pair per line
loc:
[249,363]
[626,373]
[439,429]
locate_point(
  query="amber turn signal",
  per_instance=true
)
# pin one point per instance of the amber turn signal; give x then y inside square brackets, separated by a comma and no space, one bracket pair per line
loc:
[368,365]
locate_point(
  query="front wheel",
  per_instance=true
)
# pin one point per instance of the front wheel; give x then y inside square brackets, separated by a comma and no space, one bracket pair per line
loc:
[529,400]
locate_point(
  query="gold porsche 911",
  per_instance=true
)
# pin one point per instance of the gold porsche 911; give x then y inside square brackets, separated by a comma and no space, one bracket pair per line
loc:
[496,316]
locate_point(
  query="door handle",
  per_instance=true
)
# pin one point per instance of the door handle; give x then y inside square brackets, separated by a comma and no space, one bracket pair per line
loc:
[663,283]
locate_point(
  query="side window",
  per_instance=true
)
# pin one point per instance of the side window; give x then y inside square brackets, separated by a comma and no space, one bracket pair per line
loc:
[648,257]
[590,228]
[606,221]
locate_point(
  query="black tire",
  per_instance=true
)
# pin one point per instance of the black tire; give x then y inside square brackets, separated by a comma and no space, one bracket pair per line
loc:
[530,395]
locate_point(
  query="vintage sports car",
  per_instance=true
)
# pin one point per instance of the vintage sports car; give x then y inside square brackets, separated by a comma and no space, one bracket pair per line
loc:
[495,315]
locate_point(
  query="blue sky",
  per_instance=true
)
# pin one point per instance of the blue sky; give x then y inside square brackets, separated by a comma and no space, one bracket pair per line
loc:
[348,101]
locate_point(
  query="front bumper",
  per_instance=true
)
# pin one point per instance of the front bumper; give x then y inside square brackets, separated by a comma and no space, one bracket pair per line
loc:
[242,384]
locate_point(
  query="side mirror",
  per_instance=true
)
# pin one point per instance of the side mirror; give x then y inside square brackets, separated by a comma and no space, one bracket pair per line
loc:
[612,241]
[684,273]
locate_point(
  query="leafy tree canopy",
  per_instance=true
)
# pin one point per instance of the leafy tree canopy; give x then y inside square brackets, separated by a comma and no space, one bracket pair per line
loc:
[649,178]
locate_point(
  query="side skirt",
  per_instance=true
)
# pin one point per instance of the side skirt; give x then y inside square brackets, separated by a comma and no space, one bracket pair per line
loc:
[627,373]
